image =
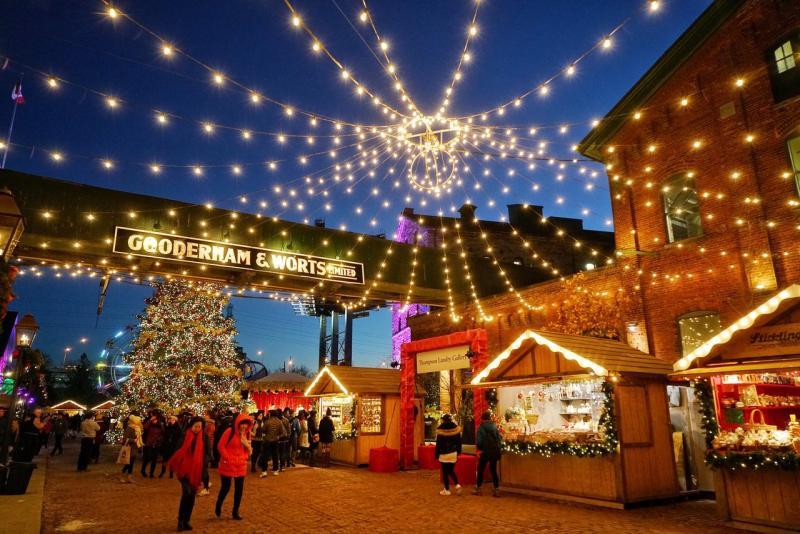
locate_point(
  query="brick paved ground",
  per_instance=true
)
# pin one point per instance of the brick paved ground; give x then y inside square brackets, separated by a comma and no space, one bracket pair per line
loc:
[339,499]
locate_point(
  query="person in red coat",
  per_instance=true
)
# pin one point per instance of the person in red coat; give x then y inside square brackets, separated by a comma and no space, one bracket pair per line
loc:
[188,464]
[234,452]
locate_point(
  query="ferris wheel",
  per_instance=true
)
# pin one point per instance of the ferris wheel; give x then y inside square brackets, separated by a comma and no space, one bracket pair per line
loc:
[113,366]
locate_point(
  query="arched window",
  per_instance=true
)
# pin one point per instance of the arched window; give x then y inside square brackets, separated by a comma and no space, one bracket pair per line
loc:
[697,327]
[681,208]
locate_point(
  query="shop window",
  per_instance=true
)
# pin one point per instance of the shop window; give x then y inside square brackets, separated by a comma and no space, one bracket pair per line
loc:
[794,155]
[695,328]
[681,208]
[783,58]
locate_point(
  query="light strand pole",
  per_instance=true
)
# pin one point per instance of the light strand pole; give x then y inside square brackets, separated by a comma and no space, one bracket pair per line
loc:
[11,127]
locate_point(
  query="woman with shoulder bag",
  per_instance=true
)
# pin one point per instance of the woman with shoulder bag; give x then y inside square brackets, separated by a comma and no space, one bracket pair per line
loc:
[132,437]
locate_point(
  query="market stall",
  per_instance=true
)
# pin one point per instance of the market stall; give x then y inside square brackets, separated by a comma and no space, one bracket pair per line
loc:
[365,407]
[278,389]
[747,379]
[583,419]
[68,407]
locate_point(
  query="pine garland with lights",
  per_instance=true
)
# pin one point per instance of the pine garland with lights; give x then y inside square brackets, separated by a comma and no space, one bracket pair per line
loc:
[731,460]
[184,355]
[608,445]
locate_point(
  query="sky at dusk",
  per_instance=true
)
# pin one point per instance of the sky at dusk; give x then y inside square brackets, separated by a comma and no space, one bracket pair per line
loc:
[518,44]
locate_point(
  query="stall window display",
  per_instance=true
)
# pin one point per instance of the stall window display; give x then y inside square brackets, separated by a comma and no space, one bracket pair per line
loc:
[751,420]
[567,417]
[371,418]
[342,413]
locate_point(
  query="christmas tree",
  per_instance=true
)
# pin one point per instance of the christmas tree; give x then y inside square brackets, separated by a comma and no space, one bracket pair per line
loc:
[184,355]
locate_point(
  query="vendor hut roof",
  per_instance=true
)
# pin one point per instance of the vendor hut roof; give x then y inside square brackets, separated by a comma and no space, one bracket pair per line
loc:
[106,405]
[68,405]
[565,354]
[278,382]
[783,303]
[347,380]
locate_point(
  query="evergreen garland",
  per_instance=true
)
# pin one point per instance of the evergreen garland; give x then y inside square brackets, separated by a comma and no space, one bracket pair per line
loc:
[608,425]
[732,460]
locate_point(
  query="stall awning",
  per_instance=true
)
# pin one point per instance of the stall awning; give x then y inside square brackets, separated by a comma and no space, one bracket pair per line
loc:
[278,382]
[568,354]
[68,405]
[348,380]
[730,339]
[107,405]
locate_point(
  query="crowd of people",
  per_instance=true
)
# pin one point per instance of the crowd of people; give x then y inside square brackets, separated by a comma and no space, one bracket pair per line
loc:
[31,433]
[188,445]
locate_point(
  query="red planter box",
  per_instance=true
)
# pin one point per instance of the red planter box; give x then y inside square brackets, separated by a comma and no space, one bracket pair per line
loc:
[427,457]
[384,460]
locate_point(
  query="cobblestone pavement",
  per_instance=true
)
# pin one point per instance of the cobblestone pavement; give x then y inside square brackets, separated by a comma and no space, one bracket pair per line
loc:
[339,499]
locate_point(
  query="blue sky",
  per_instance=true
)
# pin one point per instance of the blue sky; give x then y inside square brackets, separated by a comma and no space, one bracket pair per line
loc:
[518,45]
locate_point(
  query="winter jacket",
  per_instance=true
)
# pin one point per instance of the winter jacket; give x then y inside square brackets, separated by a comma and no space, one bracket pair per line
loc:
[312,430]
[488,441]
[326,430]
[258,430]
[173,437]
[153,433]
[448,439]
[274,430]
[59,426]
[233,455]
[130,437]
[287,427]
[89,428]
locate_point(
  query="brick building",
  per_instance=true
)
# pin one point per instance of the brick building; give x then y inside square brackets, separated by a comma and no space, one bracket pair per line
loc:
[703,158]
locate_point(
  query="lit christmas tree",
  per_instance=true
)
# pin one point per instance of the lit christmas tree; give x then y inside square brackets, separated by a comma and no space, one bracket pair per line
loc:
[184,354]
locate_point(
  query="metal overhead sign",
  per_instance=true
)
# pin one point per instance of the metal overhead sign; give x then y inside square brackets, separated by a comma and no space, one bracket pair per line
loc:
[157,245]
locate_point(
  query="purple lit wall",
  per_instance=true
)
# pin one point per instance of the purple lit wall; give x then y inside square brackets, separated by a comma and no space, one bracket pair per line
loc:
[408,232]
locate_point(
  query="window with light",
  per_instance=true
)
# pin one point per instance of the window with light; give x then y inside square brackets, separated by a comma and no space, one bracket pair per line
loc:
[681,208]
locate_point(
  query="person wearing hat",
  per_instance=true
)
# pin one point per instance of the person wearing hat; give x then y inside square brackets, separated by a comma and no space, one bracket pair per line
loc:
[234,454]
[132,436]
[188,464]
[448,447]
[488,443]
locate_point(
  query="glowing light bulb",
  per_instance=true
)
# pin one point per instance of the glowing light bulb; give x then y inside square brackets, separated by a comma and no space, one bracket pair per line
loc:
[363,16]
[607,43]
[56,156]
[296,21]
[384,46]
[246,134]
[108,164]
[473,30]
[739,82]
[219,79]
[112,102]
[161,118]
[255,98]
[316,47]
[237,170]
[52,82]
[155,168]
[208,127]
[197,170]
[112,13]
[654,5]
[167,50]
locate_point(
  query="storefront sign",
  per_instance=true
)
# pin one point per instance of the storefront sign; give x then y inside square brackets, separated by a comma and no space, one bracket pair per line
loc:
[443,359]
[775,340]
[214,253]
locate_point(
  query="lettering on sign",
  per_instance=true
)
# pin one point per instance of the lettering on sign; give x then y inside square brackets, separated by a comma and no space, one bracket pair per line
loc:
[443,359]
[775,340]
[216,254]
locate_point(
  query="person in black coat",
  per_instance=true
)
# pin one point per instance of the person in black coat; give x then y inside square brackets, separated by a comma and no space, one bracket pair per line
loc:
[173,438]
[448,447]
[327,432]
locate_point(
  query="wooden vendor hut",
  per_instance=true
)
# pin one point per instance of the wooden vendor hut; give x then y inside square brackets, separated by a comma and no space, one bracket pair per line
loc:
[747,379]
[278,389]
[365,406]
[584,419]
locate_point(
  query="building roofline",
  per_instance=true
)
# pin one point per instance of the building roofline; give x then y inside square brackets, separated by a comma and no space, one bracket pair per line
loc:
[670,61]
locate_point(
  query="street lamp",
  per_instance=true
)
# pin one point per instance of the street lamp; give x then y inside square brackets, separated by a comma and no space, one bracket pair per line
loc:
[67,350]
[26,329]
[11,224]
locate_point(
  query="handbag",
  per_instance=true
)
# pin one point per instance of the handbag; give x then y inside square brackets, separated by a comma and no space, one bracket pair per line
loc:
[124,456]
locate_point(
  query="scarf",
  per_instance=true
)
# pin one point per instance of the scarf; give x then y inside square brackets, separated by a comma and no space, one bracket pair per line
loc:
[187,462]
